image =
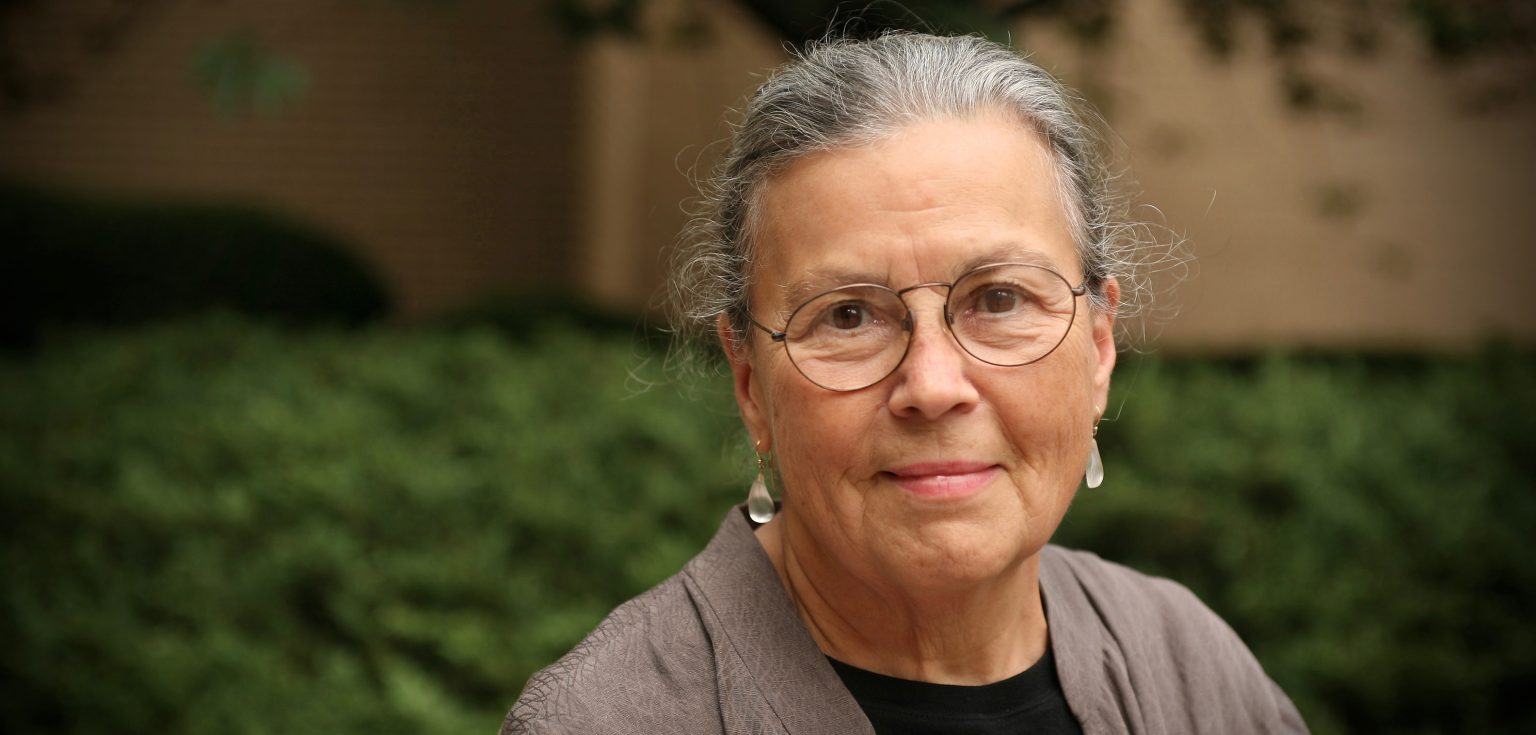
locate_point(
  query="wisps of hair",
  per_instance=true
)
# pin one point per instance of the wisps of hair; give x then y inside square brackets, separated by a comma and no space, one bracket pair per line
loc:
[841,93]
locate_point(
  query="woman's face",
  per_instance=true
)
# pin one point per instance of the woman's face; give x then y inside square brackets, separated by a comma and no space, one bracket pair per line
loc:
[950,471]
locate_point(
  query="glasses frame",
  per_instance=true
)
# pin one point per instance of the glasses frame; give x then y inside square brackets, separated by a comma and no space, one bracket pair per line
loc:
[908,325]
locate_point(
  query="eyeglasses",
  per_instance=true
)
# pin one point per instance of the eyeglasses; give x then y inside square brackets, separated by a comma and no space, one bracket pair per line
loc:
[1006,314]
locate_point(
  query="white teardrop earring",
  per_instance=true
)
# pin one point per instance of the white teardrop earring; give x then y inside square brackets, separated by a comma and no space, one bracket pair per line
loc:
[759,503]
[1094,475]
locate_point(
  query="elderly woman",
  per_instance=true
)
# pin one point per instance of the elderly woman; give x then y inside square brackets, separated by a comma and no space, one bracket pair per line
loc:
[912,261]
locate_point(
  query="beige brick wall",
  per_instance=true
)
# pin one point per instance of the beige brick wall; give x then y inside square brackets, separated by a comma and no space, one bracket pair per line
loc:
[1408,225]
[655,122]
[471,148]
[438,139]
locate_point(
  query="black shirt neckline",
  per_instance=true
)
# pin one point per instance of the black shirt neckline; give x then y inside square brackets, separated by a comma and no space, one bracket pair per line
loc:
[1033,687]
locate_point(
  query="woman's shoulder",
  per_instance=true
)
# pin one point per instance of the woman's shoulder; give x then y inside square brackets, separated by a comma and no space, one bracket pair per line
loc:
[1132,605]
[1162,642]
[1127,592]
[647,665]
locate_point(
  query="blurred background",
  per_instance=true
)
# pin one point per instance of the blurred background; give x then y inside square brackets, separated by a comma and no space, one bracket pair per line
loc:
[334,398]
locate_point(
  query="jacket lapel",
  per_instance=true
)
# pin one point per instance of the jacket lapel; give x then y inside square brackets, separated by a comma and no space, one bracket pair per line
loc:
[760,644]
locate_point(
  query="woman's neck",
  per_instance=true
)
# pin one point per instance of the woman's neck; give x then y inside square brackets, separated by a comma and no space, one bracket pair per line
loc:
[979,634]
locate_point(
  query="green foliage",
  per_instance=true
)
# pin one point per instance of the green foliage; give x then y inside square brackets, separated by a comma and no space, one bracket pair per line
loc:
[71,260]
[519,315]
[240,75]
[217,526]
[1364,524]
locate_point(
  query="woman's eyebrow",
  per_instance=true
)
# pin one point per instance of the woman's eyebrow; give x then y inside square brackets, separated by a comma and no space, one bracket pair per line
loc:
[1007,253]
[823,280]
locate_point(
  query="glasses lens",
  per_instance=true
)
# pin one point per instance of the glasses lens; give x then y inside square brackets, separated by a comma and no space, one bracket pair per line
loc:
[1011,314]
[849,338]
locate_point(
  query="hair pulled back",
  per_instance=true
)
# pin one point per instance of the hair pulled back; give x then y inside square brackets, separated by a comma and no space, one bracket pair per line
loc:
[847,93]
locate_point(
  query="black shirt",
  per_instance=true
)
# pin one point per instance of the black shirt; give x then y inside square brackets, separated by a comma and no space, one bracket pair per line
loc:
[1031,702]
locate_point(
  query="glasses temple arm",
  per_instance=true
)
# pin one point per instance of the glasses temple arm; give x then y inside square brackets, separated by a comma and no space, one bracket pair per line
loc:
[773,335]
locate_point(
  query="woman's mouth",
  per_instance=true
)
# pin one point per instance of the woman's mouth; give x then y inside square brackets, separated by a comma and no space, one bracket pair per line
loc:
[943,480]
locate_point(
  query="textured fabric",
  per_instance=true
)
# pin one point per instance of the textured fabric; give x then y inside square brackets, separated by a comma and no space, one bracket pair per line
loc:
[719,648]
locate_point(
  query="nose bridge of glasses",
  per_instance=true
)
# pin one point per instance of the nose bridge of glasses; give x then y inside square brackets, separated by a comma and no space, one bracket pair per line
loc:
[935,286]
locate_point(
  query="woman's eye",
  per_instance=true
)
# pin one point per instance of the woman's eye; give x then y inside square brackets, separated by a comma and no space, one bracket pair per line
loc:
[847,316]
[999,300]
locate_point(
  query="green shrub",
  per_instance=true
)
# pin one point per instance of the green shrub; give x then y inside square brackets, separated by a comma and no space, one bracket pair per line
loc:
[215,527]
[218,526]
[77,261]
[1363,523]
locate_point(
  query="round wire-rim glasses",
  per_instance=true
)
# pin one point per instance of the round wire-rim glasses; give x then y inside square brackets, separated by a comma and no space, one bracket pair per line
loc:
[854,336]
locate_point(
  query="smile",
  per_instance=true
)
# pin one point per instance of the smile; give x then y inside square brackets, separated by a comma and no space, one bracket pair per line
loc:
[943,480]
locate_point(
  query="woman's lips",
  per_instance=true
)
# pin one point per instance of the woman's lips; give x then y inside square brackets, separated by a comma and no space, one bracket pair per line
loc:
[943,479]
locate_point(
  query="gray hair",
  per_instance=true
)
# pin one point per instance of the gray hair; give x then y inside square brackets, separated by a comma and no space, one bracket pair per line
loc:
[845,93]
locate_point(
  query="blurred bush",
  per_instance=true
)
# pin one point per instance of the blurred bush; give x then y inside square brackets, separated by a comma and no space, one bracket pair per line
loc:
[70,260]
[520,315]
[217,526]
[1364,523]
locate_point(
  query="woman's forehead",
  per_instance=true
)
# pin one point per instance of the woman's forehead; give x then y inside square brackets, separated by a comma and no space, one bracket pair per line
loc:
[927,204]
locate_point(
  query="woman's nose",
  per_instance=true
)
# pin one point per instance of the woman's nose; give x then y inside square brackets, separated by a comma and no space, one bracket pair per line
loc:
[934,378]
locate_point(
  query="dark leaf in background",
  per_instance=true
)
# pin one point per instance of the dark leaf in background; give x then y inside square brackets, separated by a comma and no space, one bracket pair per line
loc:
[239,75]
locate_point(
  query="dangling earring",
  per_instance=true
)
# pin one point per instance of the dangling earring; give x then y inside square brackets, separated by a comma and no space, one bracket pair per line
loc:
[759,502]
[1094,476]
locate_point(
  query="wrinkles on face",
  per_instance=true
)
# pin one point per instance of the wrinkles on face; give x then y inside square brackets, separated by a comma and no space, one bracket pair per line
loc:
[925,206]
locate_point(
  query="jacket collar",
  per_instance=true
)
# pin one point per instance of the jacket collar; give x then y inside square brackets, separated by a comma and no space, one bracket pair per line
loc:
[760,626]
[746,605]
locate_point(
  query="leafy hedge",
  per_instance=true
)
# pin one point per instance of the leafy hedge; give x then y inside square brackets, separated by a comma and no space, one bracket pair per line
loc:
[1364,523]
[215,526]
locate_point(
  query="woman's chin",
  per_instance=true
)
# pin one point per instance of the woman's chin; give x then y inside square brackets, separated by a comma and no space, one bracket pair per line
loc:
[958,553]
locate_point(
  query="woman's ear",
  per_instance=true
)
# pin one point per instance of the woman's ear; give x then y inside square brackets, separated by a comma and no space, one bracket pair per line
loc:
[745,380]
[1104,342]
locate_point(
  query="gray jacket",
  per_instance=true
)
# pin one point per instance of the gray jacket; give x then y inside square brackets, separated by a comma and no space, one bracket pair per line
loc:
[719,648]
